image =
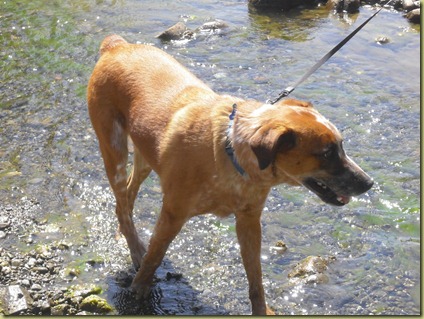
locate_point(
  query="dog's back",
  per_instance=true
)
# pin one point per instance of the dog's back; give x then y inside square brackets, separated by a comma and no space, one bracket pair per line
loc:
[141,72]
[128,84]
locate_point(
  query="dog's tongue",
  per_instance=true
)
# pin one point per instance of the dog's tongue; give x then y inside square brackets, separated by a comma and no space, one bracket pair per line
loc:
[343,199]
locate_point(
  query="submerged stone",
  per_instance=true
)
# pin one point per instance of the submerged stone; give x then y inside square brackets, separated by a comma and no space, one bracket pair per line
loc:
[310,266]
[176,32]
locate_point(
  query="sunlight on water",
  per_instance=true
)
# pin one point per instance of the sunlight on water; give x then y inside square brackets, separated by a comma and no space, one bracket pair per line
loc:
[369,90]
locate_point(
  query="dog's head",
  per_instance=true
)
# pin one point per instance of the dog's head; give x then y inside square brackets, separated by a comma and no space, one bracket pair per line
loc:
[295,141]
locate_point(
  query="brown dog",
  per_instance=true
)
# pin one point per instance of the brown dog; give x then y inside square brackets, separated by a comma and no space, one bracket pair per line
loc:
[207,163]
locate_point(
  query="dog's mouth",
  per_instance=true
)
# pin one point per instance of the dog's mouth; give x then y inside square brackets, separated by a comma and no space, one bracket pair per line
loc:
[325,193]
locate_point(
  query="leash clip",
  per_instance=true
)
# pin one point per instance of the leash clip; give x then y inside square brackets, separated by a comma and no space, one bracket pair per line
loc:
[288,90]
[283,94]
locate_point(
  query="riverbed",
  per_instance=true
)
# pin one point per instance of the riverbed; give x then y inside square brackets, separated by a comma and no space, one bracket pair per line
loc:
[53,188]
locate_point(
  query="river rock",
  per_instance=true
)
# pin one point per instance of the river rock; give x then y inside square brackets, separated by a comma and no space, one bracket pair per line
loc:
[409,5]
[4,222]
[414,16]
[382,40]
[84,290]
[214,25]
[41,270]
[349,6]
[177,32]
[60,310]
[14,299]
[279,247]
[311,269]
[95,304]
[16,262]
[36,287]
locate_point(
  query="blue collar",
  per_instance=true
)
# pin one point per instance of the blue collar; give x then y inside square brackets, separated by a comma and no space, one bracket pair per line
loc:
[228,144]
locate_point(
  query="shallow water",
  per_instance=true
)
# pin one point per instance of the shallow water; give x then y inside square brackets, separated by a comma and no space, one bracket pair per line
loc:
[48,151]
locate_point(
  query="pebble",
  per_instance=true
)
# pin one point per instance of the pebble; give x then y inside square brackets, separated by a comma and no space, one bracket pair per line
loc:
[6,270]
[41,270]
[16,262]
[31,262]
[3,225]
[382,40]
[45,305]
[36,287]
[4,222]
[2,234]
[64,245]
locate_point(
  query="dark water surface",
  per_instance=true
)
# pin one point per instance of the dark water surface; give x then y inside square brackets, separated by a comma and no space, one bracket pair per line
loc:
[371,91]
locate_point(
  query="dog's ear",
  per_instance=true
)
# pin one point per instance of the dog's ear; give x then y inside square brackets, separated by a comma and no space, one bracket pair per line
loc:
[267,142]
[295,102]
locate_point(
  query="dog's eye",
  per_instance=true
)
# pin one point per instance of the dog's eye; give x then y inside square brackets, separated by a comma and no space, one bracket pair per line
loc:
[328,154]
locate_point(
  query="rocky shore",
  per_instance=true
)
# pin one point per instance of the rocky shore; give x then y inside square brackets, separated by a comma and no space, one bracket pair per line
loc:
[34,278]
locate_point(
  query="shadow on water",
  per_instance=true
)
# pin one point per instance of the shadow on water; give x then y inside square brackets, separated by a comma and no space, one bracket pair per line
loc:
[171,294]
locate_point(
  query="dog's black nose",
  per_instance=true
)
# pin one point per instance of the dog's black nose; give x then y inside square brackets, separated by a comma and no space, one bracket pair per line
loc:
[365,184]
[369,184]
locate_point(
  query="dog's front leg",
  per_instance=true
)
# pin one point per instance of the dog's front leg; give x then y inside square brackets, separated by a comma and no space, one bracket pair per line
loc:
[167,227]
[248,227]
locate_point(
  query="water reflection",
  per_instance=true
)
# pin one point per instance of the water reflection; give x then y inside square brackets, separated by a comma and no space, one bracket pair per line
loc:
[296,24]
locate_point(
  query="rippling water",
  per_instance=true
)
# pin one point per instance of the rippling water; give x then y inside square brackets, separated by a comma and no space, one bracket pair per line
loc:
[370,91]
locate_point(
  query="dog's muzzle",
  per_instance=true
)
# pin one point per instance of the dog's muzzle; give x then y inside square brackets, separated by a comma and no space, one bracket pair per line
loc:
[338,189]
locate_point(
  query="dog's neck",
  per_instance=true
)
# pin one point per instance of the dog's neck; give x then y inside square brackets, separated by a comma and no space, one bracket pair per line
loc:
[229,145]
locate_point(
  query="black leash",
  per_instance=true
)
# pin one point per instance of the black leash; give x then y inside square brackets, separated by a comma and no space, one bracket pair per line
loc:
[324,59]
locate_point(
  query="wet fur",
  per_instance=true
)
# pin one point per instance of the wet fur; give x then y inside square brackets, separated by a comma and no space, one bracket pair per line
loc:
[178,127]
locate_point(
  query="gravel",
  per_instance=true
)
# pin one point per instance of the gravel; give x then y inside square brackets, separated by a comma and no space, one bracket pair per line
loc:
[30,273]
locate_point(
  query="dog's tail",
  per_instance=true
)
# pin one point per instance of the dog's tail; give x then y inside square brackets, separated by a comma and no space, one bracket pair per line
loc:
[110,42]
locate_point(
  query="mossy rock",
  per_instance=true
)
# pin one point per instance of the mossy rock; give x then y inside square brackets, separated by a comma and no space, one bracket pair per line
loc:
[83,290]
[60,310]
[95,304]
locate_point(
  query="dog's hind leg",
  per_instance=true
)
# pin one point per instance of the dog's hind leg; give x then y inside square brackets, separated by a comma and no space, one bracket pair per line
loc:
[110,130]
[139,173]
